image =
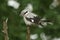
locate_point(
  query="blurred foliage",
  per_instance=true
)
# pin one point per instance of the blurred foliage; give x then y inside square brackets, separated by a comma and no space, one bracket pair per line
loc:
[16,25]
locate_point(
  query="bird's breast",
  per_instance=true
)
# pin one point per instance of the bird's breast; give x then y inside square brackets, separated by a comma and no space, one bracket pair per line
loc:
[27,22]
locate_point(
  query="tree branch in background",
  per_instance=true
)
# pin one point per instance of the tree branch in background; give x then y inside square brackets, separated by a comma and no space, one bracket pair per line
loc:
[5,31]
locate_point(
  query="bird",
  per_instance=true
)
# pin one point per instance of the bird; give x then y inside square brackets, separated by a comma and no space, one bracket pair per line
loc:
[31,18]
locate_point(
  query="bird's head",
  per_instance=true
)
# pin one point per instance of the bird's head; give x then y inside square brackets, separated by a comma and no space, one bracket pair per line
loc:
[27,10]
[24,13]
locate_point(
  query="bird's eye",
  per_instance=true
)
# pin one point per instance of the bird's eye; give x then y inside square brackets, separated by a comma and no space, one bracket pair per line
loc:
[25,12]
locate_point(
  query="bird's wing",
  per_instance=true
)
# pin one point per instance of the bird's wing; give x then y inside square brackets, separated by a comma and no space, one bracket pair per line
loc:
[34,19]
[37,20]
[31,15]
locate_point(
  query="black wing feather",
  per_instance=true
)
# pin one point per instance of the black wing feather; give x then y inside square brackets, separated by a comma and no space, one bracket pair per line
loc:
[35,19]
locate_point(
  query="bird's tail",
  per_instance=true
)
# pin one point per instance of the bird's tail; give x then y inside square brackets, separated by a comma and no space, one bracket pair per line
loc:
[44,23]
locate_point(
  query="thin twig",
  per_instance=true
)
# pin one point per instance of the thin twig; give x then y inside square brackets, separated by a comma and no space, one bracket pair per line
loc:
[5,31]
[28,33]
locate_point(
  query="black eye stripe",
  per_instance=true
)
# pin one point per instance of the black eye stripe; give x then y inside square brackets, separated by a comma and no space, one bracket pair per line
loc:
[25,12]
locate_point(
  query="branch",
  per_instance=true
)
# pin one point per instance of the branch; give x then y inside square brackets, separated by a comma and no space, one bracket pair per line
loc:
[5,29]
[28,33]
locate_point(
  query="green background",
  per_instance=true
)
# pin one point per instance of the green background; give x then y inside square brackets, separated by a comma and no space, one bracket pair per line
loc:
[16,25]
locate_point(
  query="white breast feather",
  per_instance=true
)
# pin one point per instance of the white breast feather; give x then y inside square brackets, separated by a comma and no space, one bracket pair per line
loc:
[27,22]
